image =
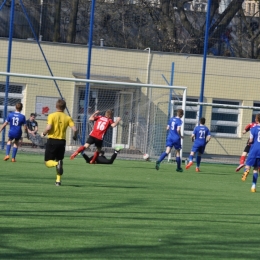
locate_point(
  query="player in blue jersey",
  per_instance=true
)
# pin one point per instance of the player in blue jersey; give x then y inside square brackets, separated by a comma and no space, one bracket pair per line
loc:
[16,120]
[200,137]
[253,159]
[173,140]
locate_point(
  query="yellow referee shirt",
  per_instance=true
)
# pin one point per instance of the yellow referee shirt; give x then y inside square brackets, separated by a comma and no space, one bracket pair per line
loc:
[59,122]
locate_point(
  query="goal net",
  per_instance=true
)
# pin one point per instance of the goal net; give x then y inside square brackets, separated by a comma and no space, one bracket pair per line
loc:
[144,109]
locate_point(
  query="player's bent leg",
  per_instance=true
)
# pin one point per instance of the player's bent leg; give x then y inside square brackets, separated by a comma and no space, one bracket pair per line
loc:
[240,166]
[113,157]
[86,158]
[95,156]
[51,163]
[59,167]
[242,159]
[79,150]
[245,174]
[6,158]
[188,165]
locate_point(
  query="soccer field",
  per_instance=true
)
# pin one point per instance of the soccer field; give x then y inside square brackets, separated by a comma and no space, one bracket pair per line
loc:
[127,210]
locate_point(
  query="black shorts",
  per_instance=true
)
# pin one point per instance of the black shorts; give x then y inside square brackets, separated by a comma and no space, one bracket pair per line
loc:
[55,149]
[247,148]
[93,140]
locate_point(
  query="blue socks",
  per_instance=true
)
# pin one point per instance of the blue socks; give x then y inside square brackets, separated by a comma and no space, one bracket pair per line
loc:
[163,155]
[255,177]
[178,161]
[8,149]
[198,160]
[14,152]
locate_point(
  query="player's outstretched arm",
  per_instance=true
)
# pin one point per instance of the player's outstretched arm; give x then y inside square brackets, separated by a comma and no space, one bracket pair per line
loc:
[116,122]
[247,128]
[92,117]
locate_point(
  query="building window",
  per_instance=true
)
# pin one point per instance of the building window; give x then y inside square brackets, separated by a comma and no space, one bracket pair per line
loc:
[12,88]
[10,101]
[255,111]
[225,120]
[190,113]
[15,94]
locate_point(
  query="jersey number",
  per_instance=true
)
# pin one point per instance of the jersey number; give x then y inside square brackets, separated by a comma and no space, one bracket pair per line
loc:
[172,125]
[101,125]
[258,137]
[202,134]
[15,120]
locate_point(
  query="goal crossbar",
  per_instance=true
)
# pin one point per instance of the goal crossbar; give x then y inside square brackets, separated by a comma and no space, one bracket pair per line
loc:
[91,81]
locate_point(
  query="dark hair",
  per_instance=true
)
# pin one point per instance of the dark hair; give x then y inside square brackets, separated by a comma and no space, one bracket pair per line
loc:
[202,120]
[33,114]
[19,106]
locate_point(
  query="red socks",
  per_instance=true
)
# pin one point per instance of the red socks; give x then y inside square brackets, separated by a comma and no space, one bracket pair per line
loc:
[81,148]
[96,154]
[242,159]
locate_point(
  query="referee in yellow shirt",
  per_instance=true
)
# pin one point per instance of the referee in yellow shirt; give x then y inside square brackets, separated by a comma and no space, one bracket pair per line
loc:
[57,124]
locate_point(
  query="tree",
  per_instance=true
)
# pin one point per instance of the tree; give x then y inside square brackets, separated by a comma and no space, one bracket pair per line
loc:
[192,24]
[71,33]
[57,18]
[165,25]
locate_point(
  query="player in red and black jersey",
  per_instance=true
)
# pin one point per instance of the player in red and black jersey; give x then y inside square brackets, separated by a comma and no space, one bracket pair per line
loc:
[247,148]
[101,125]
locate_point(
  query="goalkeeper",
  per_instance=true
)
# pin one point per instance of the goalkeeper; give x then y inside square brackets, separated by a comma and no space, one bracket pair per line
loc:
[101,159]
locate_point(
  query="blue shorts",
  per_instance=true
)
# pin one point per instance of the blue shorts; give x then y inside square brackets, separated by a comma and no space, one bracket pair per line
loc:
[176,143]
[253,162]
[198,148]
[16,137]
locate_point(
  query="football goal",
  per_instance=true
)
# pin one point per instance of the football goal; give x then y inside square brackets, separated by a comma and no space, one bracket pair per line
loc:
[143,108]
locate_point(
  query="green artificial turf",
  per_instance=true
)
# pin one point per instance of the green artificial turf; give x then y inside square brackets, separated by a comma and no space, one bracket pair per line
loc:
[127,210]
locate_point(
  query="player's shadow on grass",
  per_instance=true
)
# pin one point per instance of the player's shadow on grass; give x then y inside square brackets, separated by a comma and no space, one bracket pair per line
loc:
[118,187]
[136,167]
[75,185]
[210,173]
